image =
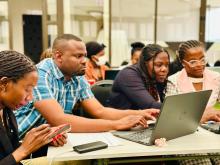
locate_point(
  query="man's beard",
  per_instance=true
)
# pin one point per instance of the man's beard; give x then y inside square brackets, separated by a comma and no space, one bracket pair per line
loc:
[80,73]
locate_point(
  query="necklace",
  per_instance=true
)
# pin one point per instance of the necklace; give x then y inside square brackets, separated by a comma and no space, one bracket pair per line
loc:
[196,80]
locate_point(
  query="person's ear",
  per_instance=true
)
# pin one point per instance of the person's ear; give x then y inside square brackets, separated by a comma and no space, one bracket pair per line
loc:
[3,83]
[58,56]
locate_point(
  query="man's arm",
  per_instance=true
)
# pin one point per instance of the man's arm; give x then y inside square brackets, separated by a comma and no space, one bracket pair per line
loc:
[54,114]
[94,108]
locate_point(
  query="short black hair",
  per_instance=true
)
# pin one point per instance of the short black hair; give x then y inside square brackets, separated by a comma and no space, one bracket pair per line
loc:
[94,48]
[58,42]
[136,46]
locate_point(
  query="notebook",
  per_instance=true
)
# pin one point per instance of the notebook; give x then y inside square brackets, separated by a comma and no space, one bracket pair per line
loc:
[180,115]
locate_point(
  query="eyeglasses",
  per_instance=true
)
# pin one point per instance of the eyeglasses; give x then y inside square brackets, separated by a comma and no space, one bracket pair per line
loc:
[194,63]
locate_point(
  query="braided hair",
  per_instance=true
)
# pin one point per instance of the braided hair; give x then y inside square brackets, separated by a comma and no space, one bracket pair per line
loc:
[14,65]
[150,52]
[185,46]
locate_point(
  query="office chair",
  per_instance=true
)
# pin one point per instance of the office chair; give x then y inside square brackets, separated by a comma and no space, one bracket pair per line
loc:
[101,90]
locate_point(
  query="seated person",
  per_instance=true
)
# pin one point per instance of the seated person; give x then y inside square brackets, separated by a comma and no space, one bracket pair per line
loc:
[194,77]
[61,84]
[136,52]
[18,76]
[142,85]
[95,65]
[136,48]
[217,63]
[46,54]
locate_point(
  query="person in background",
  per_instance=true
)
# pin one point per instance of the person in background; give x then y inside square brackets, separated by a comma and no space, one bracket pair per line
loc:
[136,48]
[195,77]
[46,54]
[142,85]
[18,76]
[95,65]
[217,63]
[62,84]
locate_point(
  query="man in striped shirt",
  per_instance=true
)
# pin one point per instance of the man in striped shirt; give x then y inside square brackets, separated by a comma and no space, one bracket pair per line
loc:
[61,85]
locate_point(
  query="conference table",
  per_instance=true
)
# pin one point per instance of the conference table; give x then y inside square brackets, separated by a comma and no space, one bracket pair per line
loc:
[195,145]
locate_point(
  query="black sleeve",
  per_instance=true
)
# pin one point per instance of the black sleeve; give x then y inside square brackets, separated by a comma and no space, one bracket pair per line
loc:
[132,86]
[9,160]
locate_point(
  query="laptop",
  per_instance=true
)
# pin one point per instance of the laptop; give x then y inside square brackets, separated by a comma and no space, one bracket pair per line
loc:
[180,115]
[212,126]
[111,74]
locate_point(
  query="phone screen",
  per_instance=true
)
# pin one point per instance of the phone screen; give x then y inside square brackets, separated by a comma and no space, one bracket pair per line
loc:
[60,130]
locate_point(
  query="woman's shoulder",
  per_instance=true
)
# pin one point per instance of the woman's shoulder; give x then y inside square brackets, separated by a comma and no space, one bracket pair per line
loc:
[211,73]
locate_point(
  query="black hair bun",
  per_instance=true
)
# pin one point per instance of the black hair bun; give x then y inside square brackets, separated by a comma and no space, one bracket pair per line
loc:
[135,45]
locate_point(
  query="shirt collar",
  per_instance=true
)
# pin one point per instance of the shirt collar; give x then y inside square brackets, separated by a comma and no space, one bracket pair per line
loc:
[57,72]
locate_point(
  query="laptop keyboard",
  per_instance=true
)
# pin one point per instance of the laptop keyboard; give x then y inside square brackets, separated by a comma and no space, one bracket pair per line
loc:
[140,135]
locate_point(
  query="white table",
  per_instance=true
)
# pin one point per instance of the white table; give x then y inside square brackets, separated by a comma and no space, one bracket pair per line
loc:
[201,141]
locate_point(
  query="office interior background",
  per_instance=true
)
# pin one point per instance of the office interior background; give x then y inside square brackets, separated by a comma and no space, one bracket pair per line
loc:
[31,26]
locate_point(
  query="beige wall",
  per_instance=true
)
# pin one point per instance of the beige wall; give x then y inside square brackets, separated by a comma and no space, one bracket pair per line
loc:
[16,10]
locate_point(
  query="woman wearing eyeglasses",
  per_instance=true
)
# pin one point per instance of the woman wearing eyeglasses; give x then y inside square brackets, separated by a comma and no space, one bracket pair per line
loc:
[194,77]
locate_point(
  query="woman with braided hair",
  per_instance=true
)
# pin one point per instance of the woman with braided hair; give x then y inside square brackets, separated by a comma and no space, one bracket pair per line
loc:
[142,85]
[18,76]
[194,77]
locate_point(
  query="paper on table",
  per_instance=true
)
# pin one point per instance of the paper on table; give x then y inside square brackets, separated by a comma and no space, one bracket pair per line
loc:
[82,138]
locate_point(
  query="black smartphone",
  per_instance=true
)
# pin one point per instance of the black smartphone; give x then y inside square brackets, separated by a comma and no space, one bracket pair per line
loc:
[93,146]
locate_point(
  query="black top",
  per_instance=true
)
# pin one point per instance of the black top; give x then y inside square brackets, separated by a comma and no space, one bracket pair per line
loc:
[8,138]
[129,91]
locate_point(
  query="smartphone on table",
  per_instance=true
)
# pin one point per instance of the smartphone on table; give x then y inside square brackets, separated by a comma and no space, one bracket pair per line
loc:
[88,147]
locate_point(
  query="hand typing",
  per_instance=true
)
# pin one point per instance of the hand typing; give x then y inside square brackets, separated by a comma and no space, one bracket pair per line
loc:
[130,121]
[149,114]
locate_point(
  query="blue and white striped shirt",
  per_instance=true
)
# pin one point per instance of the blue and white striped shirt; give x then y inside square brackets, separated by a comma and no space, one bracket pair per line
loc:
[52,85]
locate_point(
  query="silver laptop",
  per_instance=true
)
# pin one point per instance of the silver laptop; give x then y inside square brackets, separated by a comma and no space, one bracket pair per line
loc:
[180,115]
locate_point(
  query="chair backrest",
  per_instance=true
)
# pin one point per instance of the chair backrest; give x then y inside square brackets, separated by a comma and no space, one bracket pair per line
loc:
[101,90]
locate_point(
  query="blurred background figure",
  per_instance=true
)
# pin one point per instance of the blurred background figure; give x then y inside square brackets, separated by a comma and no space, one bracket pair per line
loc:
[46,54]
[96,63]
[217,63]
[136,48]
[136,51]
